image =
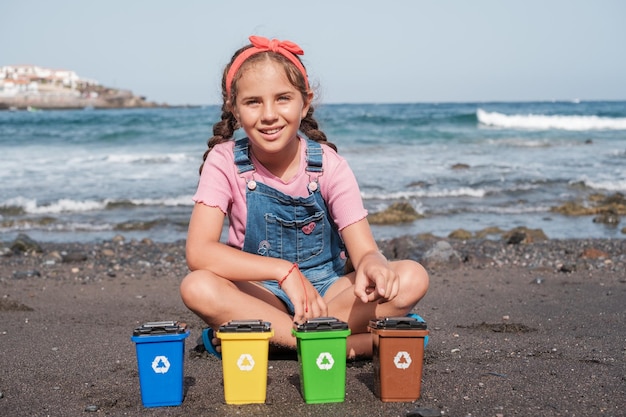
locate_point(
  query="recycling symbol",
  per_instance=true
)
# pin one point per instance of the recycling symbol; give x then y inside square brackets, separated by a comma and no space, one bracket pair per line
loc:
[402,360]
[325,361]
[245,362]
[160,364]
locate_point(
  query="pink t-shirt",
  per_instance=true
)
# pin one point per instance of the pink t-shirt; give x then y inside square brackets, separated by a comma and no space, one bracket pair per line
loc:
[221,186]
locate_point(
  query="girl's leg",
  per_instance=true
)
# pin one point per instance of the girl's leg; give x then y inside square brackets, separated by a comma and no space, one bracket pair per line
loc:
[217,300]
[344,305]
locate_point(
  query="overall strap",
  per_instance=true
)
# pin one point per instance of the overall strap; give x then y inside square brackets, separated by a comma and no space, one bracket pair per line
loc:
[314,168]
[314,154]
[242,158]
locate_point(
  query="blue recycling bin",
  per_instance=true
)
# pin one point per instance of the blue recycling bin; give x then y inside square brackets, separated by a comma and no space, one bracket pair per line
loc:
[160,358]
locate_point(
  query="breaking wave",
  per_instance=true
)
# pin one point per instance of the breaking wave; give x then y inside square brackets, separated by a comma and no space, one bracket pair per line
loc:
[64,205]
[545,122]
[459,192]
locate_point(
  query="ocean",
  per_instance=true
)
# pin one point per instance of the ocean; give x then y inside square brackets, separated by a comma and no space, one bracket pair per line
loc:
[88,175]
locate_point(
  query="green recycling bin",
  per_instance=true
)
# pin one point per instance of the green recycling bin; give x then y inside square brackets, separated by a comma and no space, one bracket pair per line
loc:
[321,345]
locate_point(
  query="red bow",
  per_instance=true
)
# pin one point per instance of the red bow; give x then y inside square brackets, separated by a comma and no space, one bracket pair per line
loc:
[274,45]
[287,49]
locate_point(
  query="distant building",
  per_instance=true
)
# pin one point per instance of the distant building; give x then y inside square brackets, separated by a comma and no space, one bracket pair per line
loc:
[33,80]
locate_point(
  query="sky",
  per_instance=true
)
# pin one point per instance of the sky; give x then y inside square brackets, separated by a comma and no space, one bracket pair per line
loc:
[356,51]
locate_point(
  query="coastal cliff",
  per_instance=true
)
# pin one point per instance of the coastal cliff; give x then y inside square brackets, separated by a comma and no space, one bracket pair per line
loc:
[105,98]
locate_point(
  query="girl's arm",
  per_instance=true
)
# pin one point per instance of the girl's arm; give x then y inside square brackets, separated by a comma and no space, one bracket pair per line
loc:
[205,251]
[374,279]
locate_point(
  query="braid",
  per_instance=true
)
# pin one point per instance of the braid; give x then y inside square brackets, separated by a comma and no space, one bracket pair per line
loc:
[222,132]
[310,128]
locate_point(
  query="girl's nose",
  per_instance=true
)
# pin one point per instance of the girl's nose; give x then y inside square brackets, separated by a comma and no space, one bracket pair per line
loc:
[269,112]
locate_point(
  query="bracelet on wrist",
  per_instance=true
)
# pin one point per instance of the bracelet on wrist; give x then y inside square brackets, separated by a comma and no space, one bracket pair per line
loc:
[280,281]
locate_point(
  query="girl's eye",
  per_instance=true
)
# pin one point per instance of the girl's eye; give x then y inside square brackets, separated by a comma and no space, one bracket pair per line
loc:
[283,98]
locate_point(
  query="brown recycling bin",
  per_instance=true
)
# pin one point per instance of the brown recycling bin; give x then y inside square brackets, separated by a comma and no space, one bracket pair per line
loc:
[398,356]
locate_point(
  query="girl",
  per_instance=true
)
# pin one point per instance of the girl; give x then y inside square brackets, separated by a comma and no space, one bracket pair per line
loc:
[295,215]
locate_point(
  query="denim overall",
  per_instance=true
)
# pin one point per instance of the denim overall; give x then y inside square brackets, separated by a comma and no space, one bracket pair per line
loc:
[297,229]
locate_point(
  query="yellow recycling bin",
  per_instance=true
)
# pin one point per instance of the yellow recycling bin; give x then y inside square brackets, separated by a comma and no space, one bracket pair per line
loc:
[245,349]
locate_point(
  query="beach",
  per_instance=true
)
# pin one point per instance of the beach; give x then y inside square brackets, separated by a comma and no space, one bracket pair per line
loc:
[515,209]
[516,329]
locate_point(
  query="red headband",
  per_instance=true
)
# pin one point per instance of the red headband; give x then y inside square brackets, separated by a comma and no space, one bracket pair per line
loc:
[260,44]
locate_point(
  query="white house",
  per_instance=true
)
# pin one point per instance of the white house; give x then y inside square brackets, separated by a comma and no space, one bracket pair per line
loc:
[28,79]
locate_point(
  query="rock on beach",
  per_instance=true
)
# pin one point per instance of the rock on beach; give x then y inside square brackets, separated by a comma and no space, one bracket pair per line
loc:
[520,247]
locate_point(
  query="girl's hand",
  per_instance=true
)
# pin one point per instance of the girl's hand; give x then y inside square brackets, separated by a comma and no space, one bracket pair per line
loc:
[307,302]
[376,281]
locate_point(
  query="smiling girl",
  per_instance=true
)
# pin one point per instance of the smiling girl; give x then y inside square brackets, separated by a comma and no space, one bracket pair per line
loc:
[299,244]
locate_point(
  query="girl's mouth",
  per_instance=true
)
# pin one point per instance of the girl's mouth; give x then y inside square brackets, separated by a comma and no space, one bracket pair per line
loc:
[271,131]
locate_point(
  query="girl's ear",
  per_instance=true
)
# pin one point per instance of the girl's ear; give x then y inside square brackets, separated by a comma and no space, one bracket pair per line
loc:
[232,109]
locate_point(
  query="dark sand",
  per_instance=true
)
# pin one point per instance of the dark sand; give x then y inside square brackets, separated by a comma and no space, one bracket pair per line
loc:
[506,340]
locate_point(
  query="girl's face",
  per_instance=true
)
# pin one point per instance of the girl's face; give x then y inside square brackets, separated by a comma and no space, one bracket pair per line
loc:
[269,108]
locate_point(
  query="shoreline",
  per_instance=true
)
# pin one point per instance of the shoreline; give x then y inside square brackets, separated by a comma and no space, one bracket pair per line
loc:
[171,226]
[598,216]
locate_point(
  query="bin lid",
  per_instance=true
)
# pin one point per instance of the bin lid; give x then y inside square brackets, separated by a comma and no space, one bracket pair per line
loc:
[398,323]
[246,326]
[321,324]
[160,327]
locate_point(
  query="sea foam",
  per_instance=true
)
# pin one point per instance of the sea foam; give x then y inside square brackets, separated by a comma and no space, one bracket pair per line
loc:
[608,185]
[545,122]
[147,159]
[66,205]
[442,193]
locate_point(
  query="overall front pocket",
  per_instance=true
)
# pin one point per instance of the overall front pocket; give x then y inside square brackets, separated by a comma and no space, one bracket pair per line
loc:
[295,241]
